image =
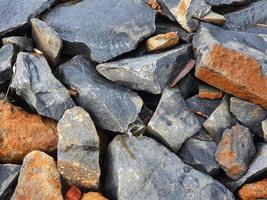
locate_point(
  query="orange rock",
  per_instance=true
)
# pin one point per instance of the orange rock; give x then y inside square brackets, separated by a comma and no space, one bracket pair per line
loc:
[74,193]
[208,92]
[251,191]
[21,133]
[93,196]
[155,5]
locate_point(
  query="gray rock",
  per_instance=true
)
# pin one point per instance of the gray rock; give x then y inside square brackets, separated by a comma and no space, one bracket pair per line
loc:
[8,176]
[264,129]
[15,14]
[188,85]
[172,122]
[23,43]
[226,2]
[149,73]
[78,149]
[47,40]
[111,106]
[202,135]
[249,114]
[153,172]
[35,83]
[102,29]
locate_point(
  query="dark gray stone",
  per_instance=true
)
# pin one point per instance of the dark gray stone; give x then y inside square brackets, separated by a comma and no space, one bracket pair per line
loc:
[188,85]
[23,43]
[172,122]
[150,73]
[111,106]
[226,2]
[36,84]
[141,168]
[15,14]
[102,29]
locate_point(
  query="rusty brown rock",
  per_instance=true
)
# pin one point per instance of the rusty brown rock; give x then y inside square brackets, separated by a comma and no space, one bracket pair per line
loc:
[93,196]
[209,92]
[251,191]
[21,133]
[74,193]
[155,5]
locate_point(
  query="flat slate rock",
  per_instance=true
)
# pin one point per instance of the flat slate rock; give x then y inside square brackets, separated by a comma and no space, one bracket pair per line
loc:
[15,14]
[91,27]
[111,106]
[153,172]
[23,43]
[226,2]
[36,84]
[150,73]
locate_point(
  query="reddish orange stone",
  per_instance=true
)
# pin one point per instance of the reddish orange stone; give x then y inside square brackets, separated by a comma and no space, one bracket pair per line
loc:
[74,193]
[251,191]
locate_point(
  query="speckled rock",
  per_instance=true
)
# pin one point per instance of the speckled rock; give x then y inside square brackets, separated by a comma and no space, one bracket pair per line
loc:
[23,43]
[256,190]
[226,2]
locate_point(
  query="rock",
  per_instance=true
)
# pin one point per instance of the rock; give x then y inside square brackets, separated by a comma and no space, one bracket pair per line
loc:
[74,193]
[24,43]
[21,133]
[188,85]
[36,84]
[243,79]
[78,149]
[155,5]
[8,176]
[85,27]
[47,40]
[213,18]
[264,129]
[209,92]
[200,155]
[150,73]
[153,172]
[249,114]
[172,122]
[38,179]
[93,196]
[256,190]
[202,135]
[226,2]
[15,14]
[235,151]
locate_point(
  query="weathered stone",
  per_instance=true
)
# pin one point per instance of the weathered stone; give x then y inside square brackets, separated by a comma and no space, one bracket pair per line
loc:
[214,18]
[149,73]
[78,149]
[15,14]
[87,29]
[74,193]
[202,135]
[264,129]
[47,40]
[225,2]
[249,114]
[93,196]
[38,179]
[153,172]
[21,133]
[24,43]
[36,84]
[256,190]
[188,85]
[209,92]
[8,176]
[245,78]
[172,122]
[155,5]
[200,155]
[111,106]
[235,151]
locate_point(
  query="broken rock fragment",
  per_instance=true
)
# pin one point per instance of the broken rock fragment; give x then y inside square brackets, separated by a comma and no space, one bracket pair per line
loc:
[23,43]
[209,92]
[256,190]
[225,2]
[93,196]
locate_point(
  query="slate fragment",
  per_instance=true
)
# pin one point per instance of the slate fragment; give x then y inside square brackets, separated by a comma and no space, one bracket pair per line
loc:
[24,43]
[226,2]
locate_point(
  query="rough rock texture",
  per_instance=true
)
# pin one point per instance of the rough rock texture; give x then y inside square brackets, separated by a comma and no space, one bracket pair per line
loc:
[209,92]
[43,93]
[21,133]
[15,14]
[200,155]
[264,129]
[93,196]
[78,149]
[256,190]
[155,5]
[172,123]
[38,179]
[225,2]
[153,172]
[47,40]
[24,43]
[235,151]
[91,27]
[7,56]
[150,73]
[245,78]
[74,193]
[188,85]
[8,176]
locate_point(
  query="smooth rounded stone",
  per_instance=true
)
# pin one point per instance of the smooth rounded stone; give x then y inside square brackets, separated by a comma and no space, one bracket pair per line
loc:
[150,73]
[200,155]
[249,114]
[24,43]
[78,149]
[74,193]
[15,14]
[153,172]
[256,190]
[111,106]
[91,27]
[22,132]
[36,84]
[172,123]
[8,176]
[47,40]
[209,92]
[226,2]
[264,129]
[93,196]
[38,179]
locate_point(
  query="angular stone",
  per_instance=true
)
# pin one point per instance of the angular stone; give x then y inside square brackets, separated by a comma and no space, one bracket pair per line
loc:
[264,129]
[172,122]
[24,43]
[74,193]
[235,151]
[111,106]
[209,92]
[153,172]
[93,196]
[225,2]
[213,18]
[47,40]
[188,85]
[36,84]
[78,149]
[149,73]
[93,28]
[244,79]
[256,190]
[200,155]
[38,179]
[21,133]
[155,5]
[15,14]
